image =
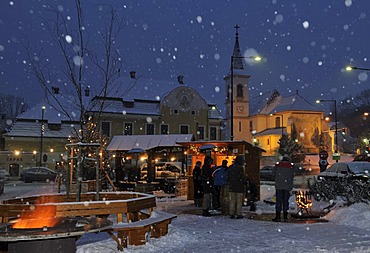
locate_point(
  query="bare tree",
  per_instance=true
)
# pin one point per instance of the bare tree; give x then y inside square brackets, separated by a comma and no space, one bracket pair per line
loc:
[351,113]
[72,43]
[77,58]
[10,107]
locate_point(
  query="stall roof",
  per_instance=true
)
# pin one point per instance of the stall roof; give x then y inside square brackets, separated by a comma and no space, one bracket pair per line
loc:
[217,143]
[146,142]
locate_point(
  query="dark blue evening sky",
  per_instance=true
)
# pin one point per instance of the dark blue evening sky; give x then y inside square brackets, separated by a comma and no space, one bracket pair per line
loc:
[305,44]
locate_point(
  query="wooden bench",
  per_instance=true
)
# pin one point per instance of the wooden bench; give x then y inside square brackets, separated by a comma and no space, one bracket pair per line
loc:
[120,204]
[138,232]
[141,221]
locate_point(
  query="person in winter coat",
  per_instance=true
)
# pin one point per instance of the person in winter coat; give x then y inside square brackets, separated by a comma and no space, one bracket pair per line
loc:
[198,187]
[220,180]
[237,181]
[284,174]
[207,181]
[251,194]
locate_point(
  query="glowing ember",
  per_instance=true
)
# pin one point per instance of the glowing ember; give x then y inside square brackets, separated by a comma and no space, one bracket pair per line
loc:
[303,200]
[37,216]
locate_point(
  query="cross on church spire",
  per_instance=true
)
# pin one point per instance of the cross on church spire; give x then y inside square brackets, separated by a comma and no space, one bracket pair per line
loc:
[236,30]
[238,61]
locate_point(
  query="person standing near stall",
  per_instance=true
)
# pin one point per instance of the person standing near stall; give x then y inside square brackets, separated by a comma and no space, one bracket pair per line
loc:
[207,181]
[237,181]
[197,181]
[284,175]
[221,190]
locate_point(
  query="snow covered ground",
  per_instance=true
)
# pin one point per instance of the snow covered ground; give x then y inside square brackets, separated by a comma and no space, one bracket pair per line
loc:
[348,230]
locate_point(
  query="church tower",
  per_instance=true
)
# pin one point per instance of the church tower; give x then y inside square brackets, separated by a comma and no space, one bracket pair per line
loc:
[237,96]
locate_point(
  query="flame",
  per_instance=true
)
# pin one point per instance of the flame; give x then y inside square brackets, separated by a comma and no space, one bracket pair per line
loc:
[303,200]
[37,216]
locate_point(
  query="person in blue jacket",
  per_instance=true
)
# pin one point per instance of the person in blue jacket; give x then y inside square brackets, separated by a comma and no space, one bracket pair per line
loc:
[219,181]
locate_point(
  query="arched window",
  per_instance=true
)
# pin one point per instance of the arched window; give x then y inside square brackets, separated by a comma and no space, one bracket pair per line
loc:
[239,90]
[277,122]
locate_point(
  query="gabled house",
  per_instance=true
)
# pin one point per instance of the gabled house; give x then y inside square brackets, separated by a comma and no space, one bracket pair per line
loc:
[180,111]
[41,134]
[274,115]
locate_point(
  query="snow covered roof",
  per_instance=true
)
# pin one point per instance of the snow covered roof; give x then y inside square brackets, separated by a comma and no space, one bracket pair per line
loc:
[259,102]
[56,111]
[214,113]
[146,142]
[270,131]
[148,106]
[33,129]
[273,102]
[60,118]
[145,88]
[118,105]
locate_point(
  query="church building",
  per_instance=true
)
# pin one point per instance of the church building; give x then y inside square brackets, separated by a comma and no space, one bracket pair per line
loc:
[263,120]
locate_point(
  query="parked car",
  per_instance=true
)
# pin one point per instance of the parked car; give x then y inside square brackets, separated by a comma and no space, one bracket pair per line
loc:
[163,170]
[4,174]
[28,175]
[362,158]
[347,170]
[266,172]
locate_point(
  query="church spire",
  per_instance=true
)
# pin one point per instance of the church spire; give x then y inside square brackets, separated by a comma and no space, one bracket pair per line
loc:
[238,61]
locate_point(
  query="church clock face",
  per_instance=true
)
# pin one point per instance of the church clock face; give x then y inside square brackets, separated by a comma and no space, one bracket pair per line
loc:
[240,108]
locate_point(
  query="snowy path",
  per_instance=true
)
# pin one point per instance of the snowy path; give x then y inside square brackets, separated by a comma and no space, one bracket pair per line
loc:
[194,233]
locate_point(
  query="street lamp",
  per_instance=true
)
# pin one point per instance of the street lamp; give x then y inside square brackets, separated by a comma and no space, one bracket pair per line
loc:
[349,68]
[282,122]
[256,58]
[335,119]
[42,132]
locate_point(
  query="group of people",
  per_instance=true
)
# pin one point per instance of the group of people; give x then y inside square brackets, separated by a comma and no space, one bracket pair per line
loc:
[220,188]
[224,187]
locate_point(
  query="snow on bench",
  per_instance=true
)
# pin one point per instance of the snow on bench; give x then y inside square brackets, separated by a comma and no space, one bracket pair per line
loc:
[138,232]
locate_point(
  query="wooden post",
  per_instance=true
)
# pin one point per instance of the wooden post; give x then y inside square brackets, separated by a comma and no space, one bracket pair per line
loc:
[98,163]
[79,174]
[69,172]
